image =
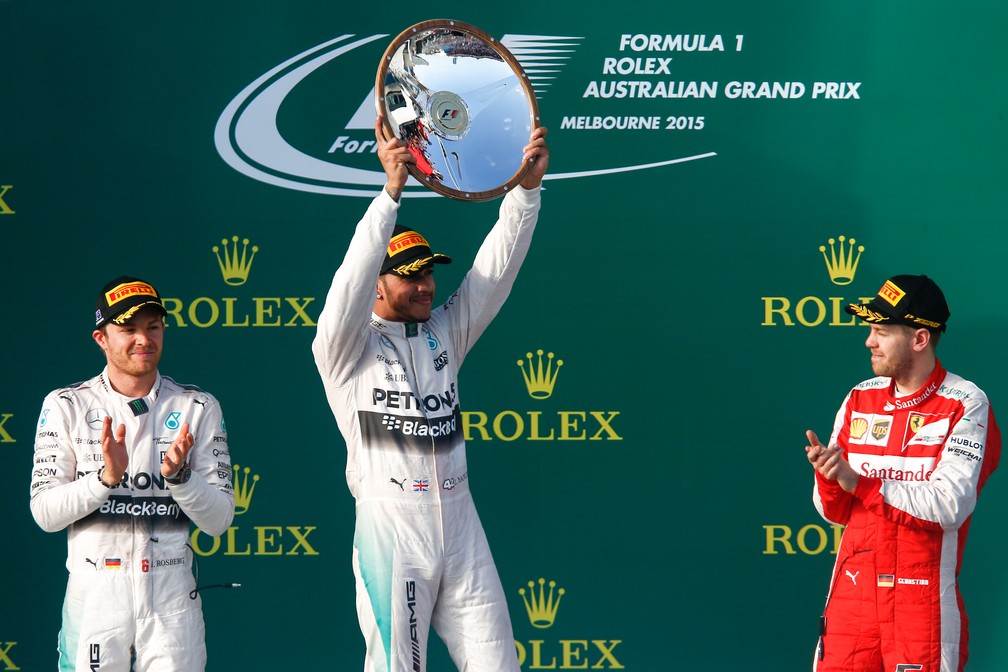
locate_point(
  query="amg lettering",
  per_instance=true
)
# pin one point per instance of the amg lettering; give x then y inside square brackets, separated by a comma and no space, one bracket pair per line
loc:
[414,638]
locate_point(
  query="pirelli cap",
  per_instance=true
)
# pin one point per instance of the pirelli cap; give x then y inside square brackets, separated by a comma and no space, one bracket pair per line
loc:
[913,300]
[122,298]
[408,253]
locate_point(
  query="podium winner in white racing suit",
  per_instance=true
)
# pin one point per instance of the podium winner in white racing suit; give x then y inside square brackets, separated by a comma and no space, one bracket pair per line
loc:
[389,362]
[124,461]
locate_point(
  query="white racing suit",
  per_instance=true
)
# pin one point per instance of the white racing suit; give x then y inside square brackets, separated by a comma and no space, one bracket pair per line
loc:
[420,555]
[130,568]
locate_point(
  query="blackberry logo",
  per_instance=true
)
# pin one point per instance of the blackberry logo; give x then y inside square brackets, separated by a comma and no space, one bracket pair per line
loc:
[391,422]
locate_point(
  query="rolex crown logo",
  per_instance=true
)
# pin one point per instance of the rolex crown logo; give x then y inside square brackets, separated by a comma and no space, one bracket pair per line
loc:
[841,261]
[235,264]
[242,489]
[540,379]
[541,608]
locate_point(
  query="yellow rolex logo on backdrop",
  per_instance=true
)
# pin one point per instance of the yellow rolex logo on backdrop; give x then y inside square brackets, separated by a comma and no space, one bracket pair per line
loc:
[242,489]
[259,540]
[4,208]
[810,539]
[542,602]
[5,649]
[540,377]
[841,262]
[234,258]
[841,256]
[539,381]
[234,268]
[541,607]
[5,436]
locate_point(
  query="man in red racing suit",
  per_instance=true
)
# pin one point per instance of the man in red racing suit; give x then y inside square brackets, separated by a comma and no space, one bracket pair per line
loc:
[909,453]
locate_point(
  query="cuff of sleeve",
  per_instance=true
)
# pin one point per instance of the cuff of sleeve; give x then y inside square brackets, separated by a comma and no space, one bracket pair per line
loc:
[385,202]
[99,491]
[867,488]
[826,484]
[527,196]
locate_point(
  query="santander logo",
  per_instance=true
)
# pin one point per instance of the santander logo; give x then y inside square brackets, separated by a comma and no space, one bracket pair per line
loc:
[286,128]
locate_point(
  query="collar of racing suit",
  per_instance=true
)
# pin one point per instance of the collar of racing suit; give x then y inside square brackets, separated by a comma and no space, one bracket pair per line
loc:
[396,329]
[924,393]
[139,405]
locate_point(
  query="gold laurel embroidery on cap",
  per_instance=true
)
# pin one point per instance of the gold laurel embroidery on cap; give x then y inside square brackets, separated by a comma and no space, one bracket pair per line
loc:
[868,315]
[127,314]
[411,268]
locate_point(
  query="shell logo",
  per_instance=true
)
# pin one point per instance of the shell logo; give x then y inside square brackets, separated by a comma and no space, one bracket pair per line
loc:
[858,427]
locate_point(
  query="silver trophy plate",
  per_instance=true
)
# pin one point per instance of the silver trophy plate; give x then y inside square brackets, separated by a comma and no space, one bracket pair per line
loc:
[463,106]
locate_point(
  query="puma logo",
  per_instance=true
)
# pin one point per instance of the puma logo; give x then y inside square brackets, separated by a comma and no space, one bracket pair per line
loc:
[402,485]
[853,577]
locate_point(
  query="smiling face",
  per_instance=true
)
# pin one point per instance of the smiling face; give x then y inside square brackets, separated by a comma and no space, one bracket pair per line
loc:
[407,299]
[133,351]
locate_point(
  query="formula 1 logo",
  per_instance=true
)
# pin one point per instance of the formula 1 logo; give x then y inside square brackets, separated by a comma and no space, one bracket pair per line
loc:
[283,128]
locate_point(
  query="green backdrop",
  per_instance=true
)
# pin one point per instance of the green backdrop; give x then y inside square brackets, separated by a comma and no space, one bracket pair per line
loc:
[662,485]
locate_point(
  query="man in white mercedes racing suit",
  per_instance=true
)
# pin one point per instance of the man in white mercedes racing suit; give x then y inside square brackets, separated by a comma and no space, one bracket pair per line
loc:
[125,461]
[389,365]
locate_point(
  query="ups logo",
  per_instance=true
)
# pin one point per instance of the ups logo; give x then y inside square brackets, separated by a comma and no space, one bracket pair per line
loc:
[880,429]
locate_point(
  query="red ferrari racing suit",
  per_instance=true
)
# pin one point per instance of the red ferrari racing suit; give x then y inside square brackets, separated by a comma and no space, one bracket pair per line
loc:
[420,555]
[130,569]
[922,459]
